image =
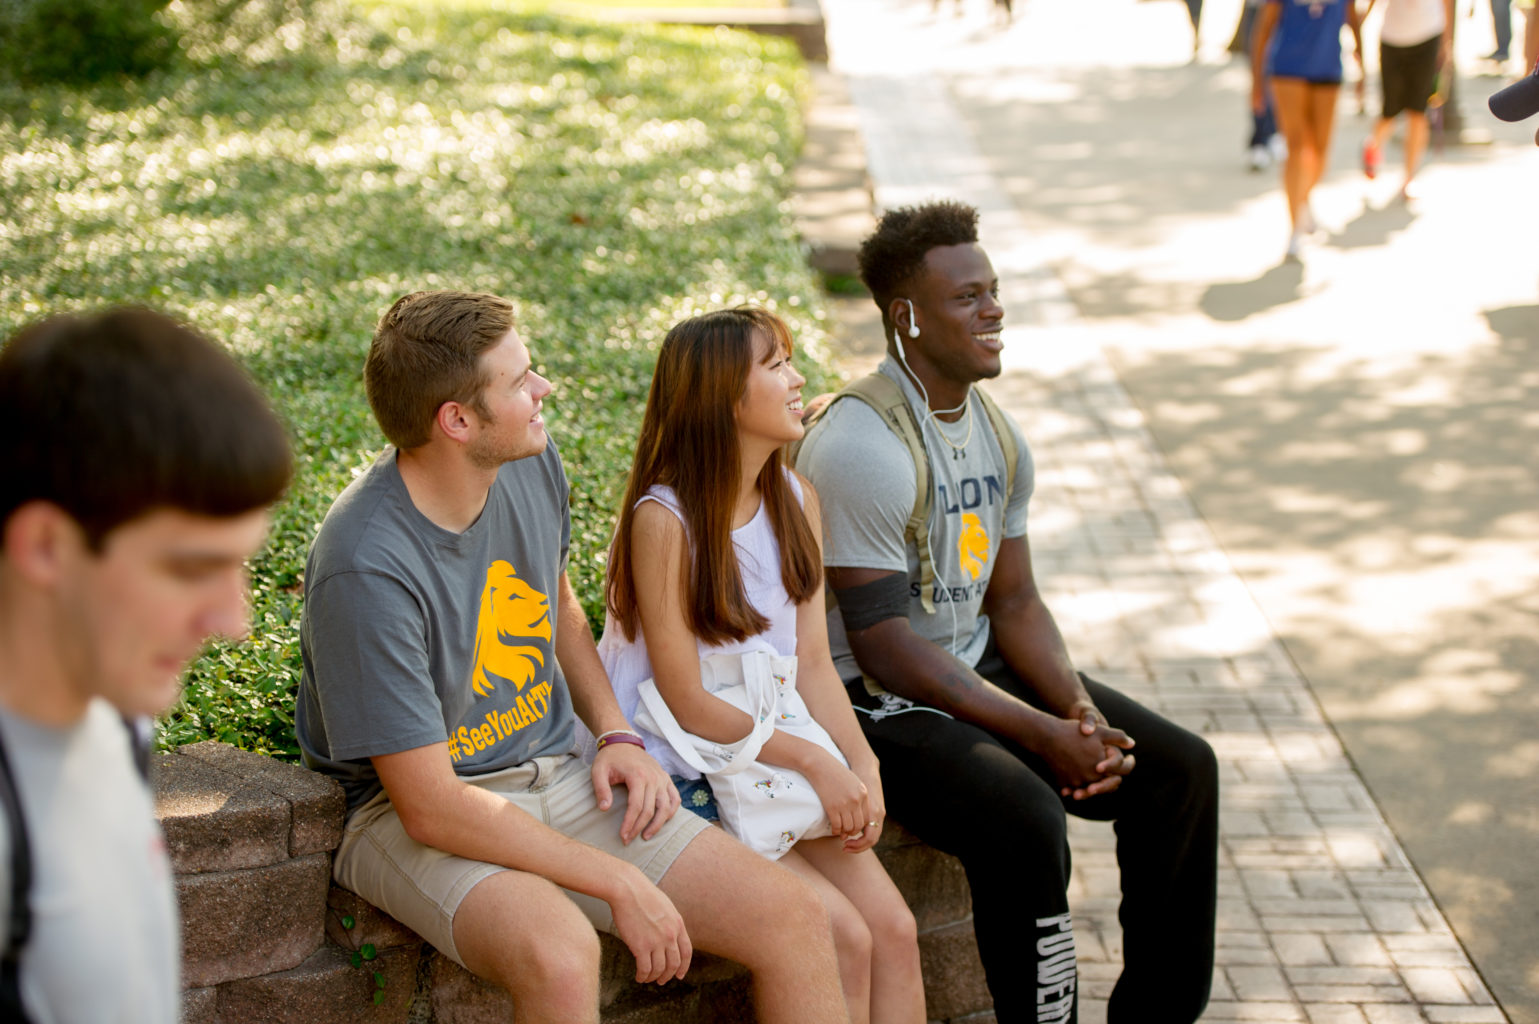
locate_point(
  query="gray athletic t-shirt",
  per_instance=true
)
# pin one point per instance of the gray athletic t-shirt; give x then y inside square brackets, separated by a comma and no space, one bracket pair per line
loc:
[864,476]
[105,945]
[413,634]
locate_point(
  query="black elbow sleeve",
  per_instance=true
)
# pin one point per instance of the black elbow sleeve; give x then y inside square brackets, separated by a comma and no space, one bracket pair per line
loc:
[870,603]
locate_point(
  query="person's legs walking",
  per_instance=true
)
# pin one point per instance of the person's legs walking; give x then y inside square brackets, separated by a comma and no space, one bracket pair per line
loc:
[1291,97]
[1501,22]
[1421,70]
[1417,132]
[1530,37]
[1392,87]
[1321,114]
[1373,146]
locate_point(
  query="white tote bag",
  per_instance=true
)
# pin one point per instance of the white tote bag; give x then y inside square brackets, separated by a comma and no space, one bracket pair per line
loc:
[766,807]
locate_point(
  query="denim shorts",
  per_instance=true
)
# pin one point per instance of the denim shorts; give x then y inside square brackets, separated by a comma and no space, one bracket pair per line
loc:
[696,794]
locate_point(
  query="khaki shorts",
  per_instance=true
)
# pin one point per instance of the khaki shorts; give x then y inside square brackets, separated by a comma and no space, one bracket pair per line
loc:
[422,887]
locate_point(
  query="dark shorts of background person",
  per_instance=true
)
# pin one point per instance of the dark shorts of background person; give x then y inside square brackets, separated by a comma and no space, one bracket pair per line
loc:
[1410,75]
[1334,83]
[996,807]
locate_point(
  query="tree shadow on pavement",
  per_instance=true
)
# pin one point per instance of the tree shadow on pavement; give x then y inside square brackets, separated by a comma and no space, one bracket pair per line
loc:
[1374,226]
[1125,153]
[1518,327]
[1384,511]
[1100,150]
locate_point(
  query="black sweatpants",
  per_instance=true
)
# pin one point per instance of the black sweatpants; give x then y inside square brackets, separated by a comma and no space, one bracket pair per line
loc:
[995,806]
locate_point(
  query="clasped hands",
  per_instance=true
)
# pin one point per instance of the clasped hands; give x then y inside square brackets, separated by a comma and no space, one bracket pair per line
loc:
[1090,757]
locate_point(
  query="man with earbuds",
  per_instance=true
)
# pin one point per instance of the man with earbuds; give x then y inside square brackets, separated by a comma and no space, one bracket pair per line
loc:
[986,733]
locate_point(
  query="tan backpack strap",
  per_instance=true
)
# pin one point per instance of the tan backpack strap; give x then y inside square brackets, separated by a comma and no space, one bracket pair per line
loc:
[882,393]
[1006,437]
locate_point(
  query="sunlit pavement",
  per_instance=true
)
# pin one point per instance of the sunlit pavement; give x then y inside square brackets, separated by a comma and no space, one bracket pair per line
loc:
[1265,488]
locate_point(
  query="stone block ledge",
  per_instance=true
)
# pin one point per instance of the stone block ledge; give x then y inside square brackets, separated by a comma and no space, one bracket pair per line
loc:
[800,20]
[264,939]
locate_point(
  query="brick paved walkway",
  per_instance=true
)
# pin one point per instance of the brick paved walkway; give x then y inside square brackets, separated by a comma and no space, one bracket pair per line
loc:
[1321,917]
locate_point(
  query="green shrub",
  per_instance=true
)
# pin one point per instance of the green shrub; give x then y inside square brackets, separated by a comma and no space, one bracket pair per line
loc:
[82,40]
[255,31]
[608,180]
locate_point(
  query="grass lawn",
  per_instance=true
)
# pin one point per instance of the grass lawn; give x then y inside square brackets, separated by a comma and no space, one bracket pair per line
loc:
[282,190]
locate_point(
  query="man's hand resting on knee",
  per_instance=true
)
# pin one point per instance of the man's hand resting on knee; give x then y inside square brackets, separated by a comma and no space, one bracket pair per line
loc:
[651,928]
[651,796]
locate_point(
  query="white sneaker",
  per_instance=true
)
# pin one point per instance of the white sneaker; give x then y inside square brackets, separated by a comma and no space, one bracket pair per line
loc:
[1279,147]
[1307,222]
[1296,247]
[1259,158]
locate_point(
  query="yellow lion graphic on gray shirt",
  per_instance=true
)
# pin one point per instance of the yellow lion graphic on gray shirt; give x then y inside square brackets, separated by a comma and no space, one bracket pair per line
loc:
[510,610]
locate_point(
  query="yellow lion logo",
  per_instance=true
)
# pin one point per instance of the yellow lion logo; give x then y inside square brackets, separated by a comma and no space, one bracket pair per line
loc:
[973,545]
[511,610]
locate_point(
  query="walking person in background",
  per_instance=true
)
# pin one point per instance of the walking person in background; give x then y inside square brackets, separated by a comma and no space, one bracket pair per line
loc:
[1530,35]
[1415,42]
[1501,23]
[1298,45]
[1266,145]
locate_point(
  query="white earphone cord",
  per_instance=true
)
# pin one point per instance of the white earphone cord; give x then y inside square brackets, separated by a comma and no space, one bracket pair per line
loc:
[929,417]
[913,332]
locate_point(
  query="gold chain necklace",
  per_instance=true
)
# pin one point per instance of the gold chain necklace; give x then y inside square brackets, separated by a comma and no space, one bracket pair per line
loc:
[941,432]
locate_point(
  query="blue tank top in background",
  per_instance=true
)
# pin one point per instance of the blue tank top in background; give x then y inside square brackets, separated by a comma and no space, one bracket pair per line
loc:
[1307,41]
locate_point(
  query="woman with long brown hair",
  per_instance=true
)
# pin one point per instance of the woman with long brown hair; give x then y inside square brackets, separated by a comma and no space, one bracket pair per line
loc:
[718,551]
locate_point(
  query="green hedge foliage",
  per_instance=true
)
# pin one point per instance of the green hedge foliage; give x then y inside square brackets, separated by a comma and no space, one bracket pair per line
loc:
[82,40]
[608,180]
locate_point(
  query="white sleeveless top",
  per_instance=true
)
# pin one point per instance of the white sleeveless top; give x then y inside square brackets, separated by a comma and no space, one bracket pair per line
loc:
[758,559]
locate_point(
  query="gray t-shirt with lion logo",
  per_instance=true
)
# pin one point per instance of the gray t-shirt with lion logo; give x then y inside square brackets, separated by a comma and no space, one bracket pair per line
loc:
[864,476]
[413,634]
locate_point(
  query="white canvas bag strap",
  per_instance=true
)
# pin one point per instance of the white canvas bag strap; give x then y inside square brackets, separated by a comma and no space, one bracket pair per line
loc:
[754,671]
[668,727]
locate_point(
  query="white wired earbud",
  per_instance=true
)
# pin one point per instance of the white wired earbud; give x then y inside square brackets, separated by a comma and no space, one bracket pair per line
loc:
[913,332]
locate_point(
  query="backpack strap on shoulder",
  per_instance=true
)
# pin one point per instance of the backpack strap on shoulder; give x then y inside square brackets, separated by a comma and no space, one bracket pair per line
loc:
[1006,437]
[884,396]
[18,923]
[141,742]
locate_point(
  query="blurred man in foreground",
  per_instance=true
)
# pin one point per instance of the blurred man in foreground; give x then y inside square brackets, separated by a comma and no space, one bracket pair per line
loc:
[138,465]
